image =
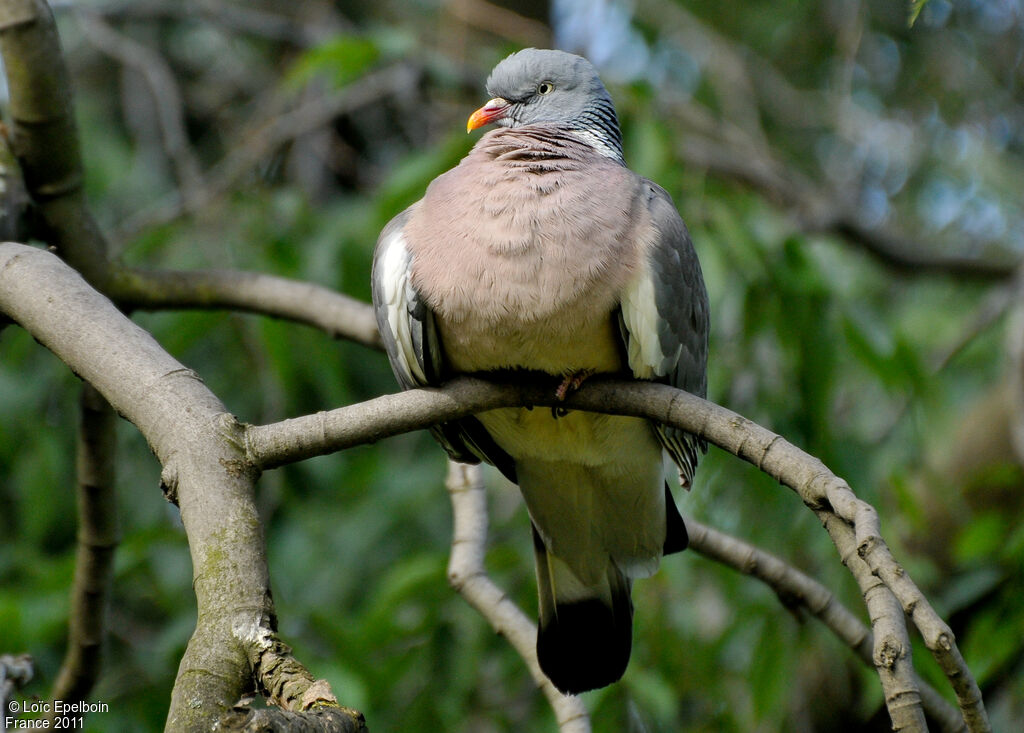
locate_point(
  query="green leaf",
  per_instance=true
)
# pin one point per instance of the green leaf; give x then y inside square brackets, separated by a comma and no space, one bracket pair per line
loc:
[993,640]
[770,671]
[916,6]
[340,59]
[981,538]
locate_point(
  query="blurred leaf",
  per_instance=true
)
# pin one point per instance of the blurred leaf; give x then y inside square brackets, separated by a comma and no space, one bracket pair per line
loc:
[916,6]
[409,178]
[769,673]
[969,587]
[341,59]
[982,538]
[994,640]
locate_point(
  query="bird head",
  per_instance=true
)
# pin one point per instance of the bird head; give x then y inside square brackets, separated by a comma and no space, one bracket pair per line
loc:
[537,86]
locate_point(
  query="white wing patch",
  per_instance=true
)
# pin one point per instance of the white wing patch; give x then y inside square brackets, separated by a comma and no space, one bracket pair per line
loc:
[398,294]
[641,319]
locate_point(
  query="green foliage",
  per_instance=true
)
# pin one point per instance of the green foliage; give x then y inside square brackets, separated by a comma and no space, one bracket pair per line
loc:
[343,59]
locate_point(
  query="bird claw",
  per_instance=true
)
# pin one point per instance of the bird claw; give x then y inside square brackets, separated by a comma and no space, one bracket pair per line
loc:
[571,383]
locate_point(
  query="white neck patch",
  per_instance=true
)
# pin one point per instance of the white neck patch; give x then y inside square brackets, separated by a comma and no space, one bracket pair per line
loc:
[597,142]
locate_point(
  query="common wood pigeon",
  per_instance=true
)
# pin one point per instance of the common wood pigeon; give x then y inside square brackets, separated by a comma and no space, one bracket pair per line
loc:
[542,251]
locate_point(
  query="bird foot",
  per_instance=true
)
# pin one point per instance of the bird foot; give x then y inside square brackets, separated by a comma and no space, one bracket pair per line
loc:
[571,383]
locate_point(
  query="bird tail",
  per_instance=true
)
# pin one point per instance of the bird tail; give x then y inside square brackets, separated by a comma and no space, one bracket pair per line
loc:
[585,632]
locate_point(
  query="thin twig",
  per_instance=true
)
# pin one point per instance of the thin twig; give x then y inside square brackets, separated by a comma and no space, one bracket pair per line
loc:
[164,92]
[992,309]
[337,315]
[267,135]
[97,540]
[793,586]
[15,673]
[500,21]
[467,575]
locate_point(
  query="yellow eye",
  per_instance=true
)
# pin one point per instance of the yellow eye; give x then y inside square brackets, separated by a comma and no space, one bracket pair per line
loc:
[545,87]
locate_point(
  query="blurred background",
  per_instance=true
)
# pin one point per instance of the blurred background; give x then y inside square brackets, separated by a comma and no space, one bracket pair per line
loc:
[853,185]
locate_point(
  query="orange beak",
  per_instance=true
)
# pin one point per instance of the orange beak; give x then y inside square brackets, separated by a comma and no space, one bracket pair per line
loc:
[493,110]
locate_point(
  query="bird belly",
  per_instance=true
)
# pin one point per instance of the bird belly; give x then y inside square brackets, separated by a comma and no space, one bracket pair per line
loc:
[593,485]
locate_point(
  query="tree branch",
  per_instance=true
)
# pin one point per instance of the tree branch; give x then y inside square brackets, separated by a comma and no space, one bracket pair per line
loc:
[15,673]
[794,587]
[851,523]
[337,315]
[44,136]
[200,447]
[741,153]
[267,134]
[97,540]
[209,449]
[467,576]
[164,93]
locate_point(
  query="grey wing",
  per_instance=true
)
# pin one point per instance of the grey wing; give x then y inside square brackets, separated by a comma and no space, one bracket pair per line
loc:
[411,340]
[664,320]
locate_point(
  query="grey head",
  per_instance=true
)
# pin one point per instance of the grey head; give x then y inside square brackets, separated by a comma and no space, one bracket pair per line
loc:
[535,86]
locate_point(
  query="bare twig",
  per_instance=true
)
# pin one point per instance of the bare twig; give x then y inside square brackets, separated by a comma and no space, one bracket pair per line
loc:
[467,575]
[15,673]
[267,135]
[97,540]
[794,587]
[229,16]
[164,92]
[992,309]
[500,21]
[337,315]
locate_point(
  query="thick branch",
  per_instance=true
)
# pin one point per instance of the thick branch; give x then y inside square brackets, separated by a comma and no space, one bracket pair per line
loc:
[44,137]
[268,720]
[204,469]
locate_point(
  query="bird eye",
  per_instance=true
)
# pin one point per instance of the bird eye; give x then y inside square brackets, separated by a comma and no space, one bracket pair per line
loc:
[545,87]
